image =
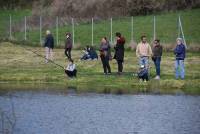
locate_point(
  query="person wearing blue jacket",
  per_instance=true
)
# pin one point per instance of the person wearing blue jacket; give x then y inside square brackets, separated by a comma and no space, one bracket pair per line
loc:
[49,45]
[179,52]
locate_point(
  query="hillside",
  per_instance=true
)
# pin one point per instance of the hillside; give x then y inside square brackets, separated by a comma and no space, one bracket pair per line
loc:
[166,28]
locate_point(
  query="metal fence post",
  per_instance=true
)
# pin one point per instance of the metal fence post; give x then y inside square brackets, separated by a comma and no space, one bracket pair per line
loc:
[92,32]
[111,31]
[10,33]
[41,30]
[25,28]
[154,27]
[57,30]
[132,28]
[73,30]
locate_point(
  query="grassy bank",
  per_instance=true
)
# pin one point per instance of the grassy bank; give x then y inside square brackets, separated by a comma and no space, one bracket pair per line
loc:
[21,66]
[166,28]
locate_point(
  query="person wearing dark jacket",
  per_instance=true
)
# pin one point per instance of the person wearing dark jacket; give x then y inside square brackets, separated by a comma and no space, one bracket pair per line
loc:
[49,45]
[143,73]
[93,54]
[179,51]
[157,53]
[105,54]
[119,52]
[68,45]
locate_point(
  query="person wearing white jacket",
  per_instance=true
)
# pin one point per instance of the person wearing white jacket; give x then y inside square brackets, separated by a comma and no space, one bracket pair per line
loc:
[70,70]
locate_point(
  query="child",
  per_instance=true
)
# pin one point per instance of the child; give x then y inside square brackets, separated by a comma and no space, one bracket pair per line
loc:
[143,73]
[70,70]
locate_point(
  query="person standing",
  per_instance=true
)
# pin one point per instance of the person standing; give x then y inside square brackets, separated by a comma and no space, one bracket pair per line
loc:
[157,54]
[119,51]
[105,54]
[49,45]
[179,52]
[143,52]
[68,45]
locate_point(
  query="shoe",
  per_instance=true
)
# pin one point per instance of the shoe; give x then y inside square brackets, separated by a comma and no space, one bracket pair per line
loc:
[157,77]
[119,73]
[145,81]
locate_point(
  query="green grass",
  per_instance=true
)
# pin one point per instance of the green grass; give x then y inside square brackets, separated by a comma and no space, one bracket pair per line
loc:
[21,66]
[166,28]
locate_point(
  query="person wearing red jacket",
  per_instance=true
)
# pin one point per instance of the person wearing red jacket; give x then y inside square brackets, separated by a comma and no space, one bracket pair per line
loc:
[119,51]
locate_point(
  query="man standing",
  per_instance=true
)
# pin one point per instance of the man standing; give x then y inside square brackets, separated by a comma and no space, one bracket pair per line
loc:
[143,52]
[68,45]
[49,45]
[157,53]
[119,51]
[179,51]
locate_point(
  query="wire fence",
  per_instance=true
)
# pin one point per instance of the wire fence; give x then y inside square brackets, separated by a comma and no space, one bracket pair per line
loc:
[33,30]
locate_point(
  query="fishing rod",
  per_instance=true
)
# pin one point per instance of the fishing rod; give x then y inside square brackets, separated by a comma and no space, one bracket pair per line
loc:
[42,57]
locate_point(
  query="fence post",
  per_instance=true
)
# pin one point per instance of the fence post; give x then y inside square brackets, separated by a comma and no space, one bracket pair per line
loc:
[25,28]
[154,27]
[73,30]
[57,30]
[10,33]
[132,28]
[111,31]
[92,32]
[41,30]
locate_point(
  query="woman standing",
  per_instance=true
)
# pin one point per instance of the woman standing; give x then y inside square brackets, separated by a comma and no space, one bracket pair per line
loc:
[105,54]
[157,53]
[119,52]
[68,45]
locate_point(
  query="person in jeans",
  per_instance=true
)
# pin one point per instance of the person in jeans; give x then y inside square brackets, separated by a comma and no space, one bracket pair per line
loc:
[68,45]
[179,51]
[119,52]
[143,52]
[49,45]
[105,54]
[70,70]
[157,53]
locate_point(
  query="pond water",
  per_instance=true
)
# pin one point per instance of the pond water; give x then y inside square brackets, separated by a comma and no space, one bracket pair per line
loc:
[42,112]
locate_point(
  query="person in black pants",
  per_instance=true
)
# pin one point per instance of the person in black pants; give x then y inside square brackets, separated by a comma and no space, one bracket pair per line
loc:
[68,45]
[119,51]
[143,73]
[70,70]
[105,55]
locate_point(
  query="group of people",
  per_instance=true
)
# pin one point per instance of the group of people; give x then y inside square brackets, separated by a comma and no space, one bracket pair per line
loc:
[89,53]
[144,53]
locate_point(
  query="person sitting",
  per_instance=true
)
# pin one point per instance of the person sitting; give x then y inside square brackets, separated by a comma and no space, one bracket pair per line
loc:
[86,55]
[70,70]
[143,73]
[93,54]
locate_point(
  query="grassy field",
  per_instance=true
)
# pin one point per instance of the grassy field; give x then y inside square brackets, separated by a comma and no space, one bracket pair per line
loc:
[21,66]
[166,28]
